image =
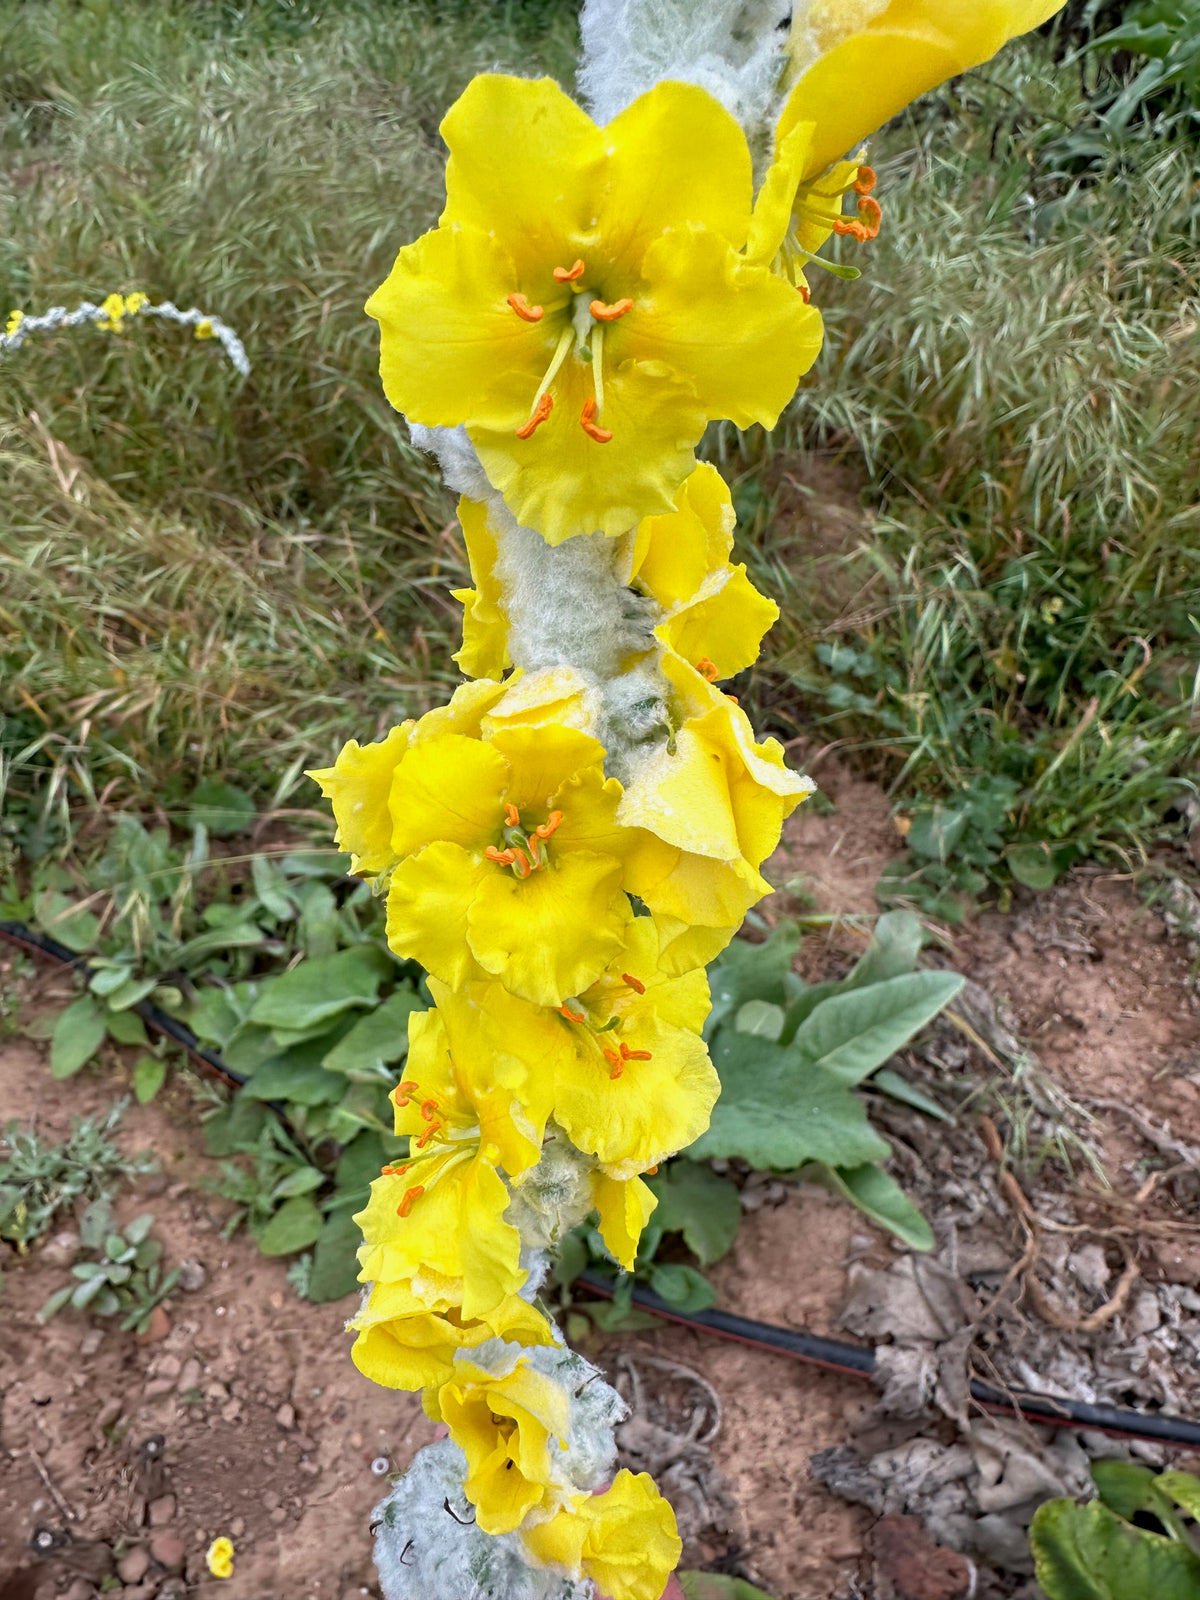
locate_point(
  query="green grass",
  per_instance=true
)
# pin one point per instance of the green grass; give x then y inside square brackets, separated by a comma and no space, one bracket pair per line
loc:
[205,575]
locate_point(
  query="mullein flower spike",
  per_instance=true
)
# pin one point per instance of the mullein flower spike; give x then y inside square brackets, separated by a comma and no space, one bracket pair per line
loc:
[567,843]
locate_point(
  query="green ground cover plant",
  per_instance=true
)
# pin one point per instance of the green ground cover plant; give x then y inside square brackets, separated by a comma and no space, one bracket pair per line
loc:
[1135,1539]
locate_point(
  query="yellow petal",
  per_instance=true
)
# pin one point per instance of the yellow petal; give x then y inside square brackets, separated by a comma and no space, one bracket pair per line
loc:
[554,695]
[541,759]
[450,788]
[428,904]
[624,1207]
[741,335]
[465,710]
[683,947]
[674,553]
[551,935]
[489,1247]
[484,652]
[524,164]
[776,198]
[563,483]
[864,75]
[358,784]
[724,626]
[450,345]
[625,1540]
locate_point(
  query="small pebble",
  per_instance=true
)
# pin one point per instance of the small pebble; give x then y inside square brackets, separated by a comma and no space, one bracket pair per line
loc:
[132,1568]
[231,1410]
[80,1589]
[167,1366]
[158,1386]
[190,1377]
[167,1549]
[277,1516]
[286,1416]
[60,1250]
[192,1275]
[159,1512]
[91,1342]
[237,1527]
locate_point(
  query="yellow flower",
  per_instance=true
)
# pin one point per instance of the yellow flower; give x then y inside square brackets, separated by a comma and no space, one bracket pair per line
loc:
[134,302]
[484,652]
[510,1425]
[716,618]
[204,329]
[624,1540]
[511,860]
[636,1084]
[220,1558]
[407,1342]
[113,312]
[15,319]
[583,307]
[717,800]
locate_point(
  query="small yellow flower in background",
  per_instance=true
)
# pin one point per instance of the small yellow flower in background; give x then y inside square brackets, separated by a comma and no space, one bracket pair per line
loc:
[583,306]
[220,1558]
[625,1540]
[113,313]
[510,1425]
[135,301]
[15,319]
[204,330]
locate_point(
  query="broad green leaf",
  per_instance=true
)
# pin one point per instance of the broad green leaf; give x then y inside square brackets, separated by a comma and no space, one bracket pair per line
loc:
[106,978]
[218,1012]
[851,1034]
[363,1105]
[694,1201]
[126,1027]
[235,1127]
[1032,864]
[78,1034]
[295,1226]
[717,1586]
[270,886]
[318,989]
[249,1048]
[779,1110]
[215,941]
[57,915]
[302,1181]
[746,971]
[97,1222]
[893,950]
[936,833]
[1124,1486]
[88,1290]
[1183,1489]
[130,992]
[149,1074]
[359,1163]
[335,1265]
[1089,1553]
[221,808]
[571,1259]
[287,1078]
[376,1040]
[805,1004]
[761,1018]
[55,1303]
[682,1286]
[882,1199]
[900,1089]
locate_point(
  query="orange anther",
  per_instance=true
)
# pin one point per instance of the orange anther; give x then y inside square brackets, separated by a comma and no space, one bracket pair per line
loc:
[540,412]
[535,848]
[652,1170]
[434,1127]
[590,426]
[707,669]
[403,1092]
[524,310]
[429,1110]
[866,225]
[865,181]
[406,1204]
[545,829]
[635,984]
[572,1016]
[610,313]
[511,815]
[613,1060]
[616,1071]
[804,292]
[522,862]
[635,1055]
[569,274]
[504,858]
[732,698]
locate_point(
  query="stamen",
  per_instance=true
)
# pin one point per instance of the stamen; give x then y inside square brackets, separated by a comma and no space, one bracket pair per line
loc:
[569,274]
[434,1127]
[535,852]
[588,424]
[545,829]
[611,313]
[521,863]
[404,1092]
[543,408]
[635,1055]
[395,1172]
[503,858]
[707,669]
[652,1170]
[866,225]
[429,1110]
[524,310]
[598,370]
[616,1065]
[406,1204]
[512,816]
[865,181]
[572,1016]
[635,984]
[805,293]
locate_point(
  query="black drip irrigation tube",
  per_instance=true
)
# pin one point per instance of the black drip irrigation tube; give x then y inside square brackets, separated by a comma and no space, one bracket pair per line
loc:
[852,1360]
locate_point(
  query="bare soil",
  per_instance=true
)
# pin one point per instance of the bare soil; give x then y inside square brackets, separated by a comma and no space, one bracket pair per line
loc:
[270,1433]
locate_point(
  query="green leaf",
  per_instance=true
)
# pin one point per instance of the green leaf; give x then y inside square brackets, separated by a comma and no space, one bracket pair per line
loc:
[359,1163]
[571,1260]
[219,1012]
[335,1265]
[130,992]
[694,1201]
[716,1586]
[682,1286]
[55,1303]
[377,1039]
[87,1291]
[900,1089]
[1123,1486]
[106,978]
[216,941]
[746,971]
[761,1018]
[936,833]
[137,1230]
[222,808]
[270,886]
[315,990]
[779,1110]
[295,1077]
[1183,1489]
[1032,864]
[1088,1553]
[295,1226]
[97,1222]
[882,1199]
[851,1034]
[78,1034]
[57,915]
[235,1127]
[893,950]
[303,1180]
[149,1074]
[126,1027]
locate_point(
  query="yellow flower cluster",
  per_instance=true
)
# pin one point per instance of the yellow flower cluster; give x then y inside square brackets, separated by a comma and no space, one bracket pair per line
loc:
[590,300]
